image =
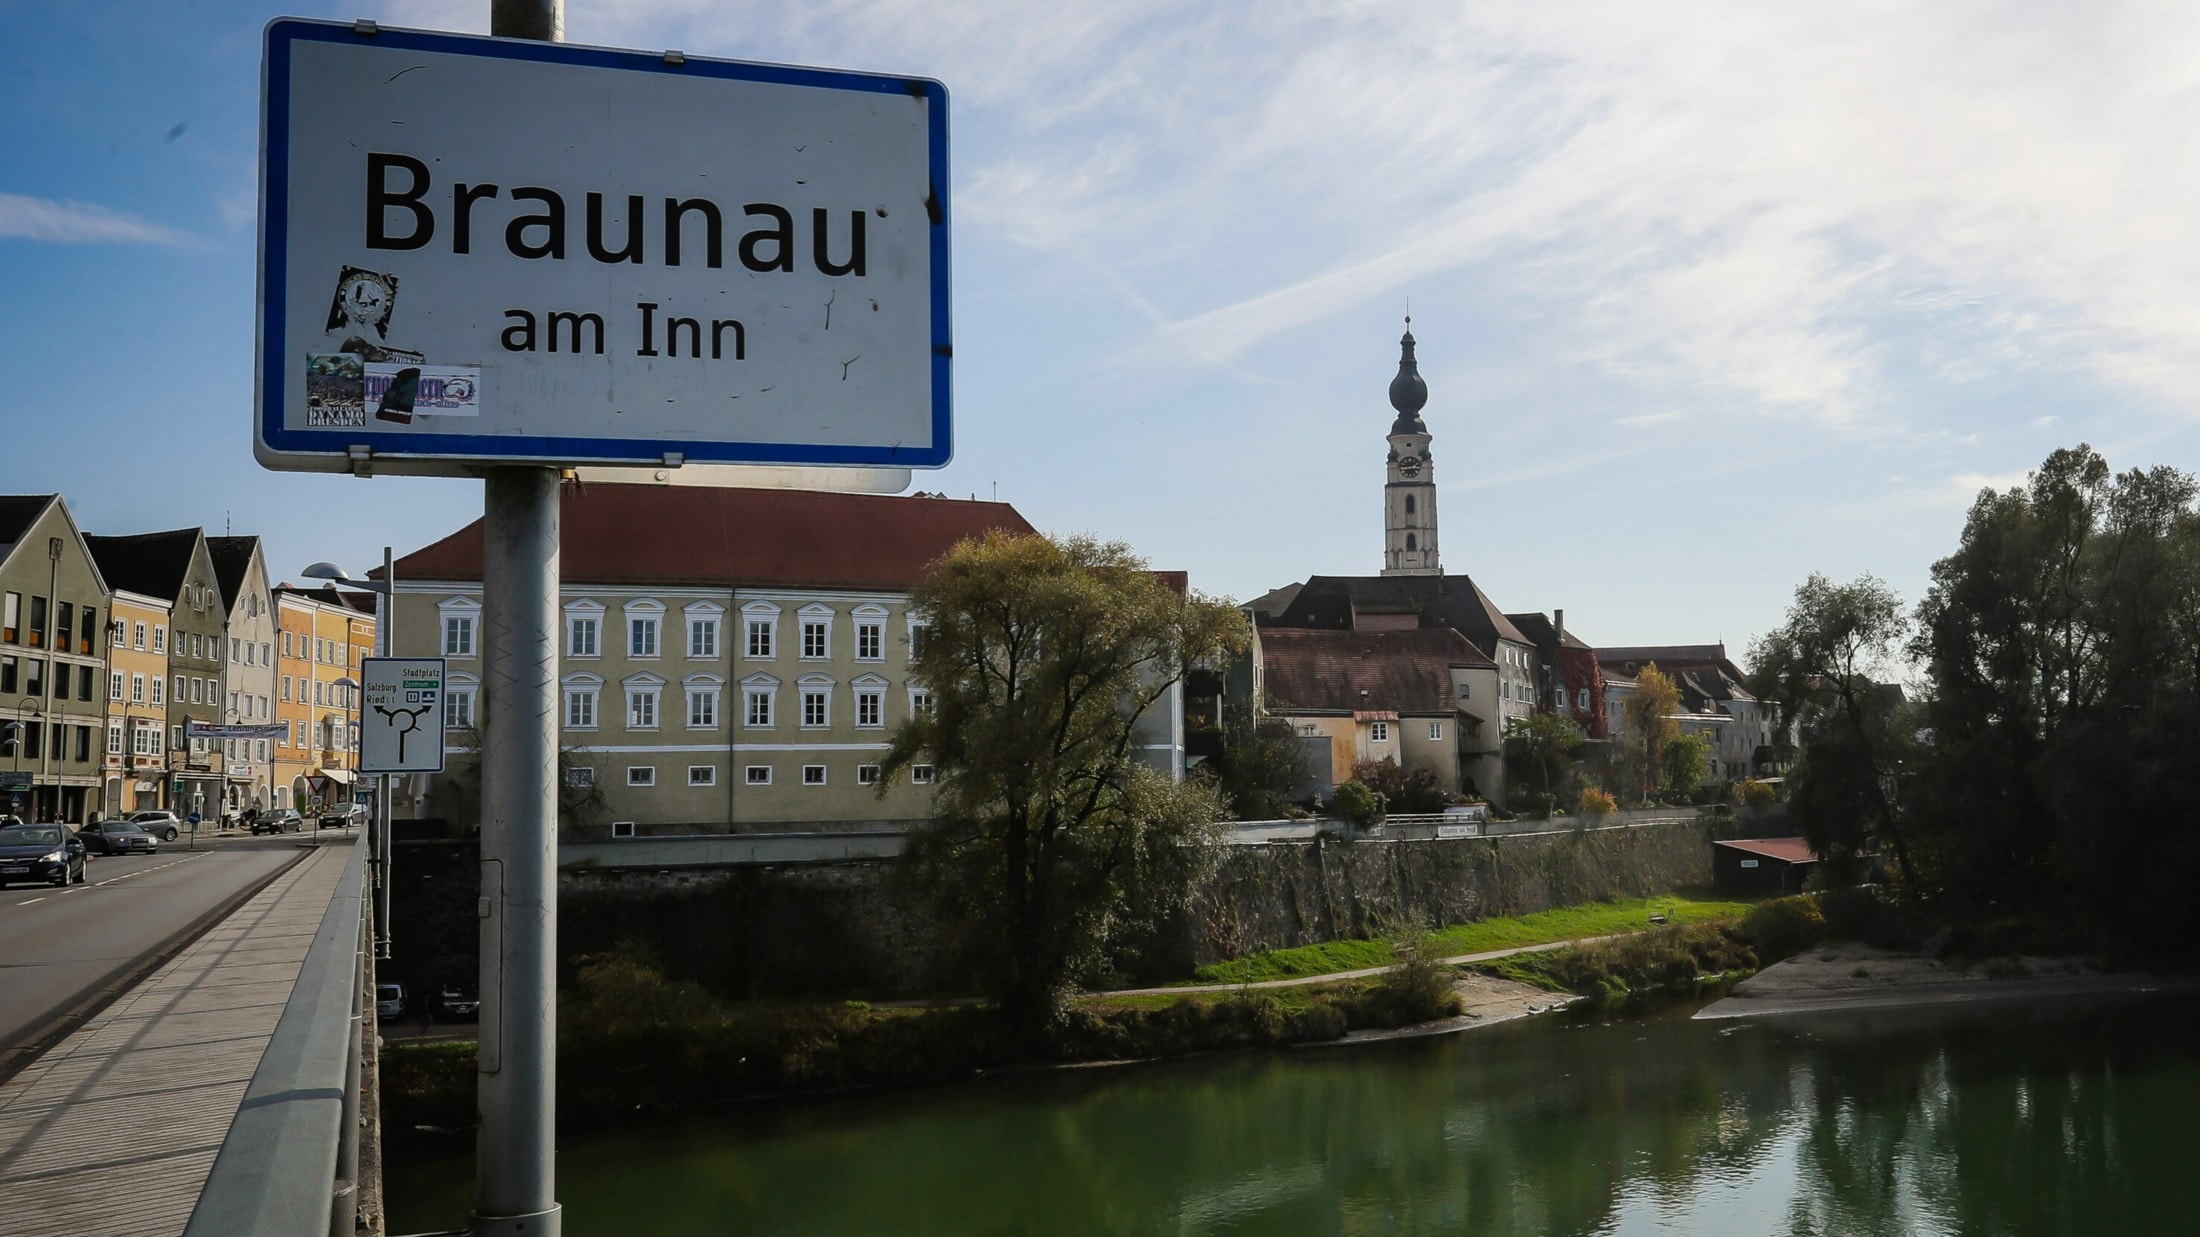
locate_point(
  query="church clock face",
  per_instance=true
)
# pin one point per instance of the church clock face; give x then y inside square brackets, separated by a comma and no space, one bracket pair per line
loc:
[1410,465]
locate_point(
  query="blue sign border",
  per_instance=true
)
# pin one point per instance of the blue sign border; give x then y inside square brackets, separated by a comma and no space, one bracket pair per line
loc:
[393,450]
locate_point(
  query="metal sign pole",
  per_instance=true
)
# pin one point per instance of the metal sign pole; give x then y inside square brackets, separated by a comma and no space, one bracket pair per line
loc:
[385,637]
[514,1177]
[515,1173]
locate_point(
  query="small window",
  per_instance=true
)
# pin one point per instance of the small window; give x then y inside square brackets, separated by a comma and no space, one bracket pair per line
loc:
[580,775]
[1436,731]
[641,637]
[760,638]
[815,644]
[622,828]
[641,775]
[813,775]
[702,775]
[866,775]
[870,709]
[758,708]
[458,636]
[641,709]
[580,708]
[1378,732]
[458,709]
[921,774]
[702,708]
[816,709]
[580,637]
[870,641]
[758,775]
[703,637]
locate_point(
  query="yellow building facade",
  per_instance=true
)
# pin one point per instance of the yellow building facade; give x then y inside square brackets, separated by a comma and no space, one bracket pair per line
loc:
[322,638]
[138,638]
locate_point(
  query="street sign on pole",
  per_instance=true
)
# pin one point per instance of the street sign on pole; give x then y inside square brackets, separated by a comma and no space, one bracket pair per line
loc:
[401,714]
[481,251]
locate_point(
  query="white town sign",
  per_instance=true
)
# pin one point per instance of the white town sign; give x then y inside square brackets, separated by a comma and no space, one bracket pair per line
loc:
[479,251]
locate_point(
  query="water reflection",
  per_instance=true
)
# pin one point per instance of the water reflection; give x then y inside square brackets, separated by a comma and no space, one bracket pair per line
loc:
[2068,1122]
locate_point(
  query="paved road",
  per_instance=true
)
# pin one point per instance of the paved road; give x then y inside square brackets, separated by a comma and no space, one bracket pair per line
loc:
[60,945]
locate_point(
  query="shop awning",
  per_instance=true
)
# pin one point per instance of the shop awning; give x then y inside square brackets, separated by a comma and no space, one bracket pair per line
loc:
[342,777]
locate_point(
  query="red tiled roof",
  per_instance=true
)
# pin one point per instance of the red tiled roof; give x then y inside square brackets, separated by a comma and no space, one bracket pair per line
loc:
[1788,850]
[664,535]
[1356,671]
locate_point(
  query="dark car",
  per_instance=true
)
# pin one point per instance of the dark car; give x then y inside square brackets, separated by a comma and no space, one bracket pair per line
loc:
[455,1004]
[162,825]
[117,837]
[41,853]
[343,817]
[282,820]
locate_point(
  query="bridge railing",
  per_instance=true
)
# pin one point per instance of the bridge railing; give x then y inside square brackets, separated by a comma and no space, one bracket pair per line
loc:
[290,1163]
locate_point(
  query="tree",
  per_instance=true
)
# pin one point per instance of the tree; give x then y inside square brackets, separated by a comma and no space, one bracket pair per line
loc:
[1048,838]
[1400,789]
[1687,761]
[1539,754]
[1263,766]
[1829,667]
[1646,726]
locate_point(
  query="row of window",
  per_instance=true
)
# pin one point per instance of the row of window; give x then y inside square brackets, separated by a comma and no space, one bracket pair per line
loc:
[320,649]
[1379,732]
[753,775]
[28,740]
[337,695]
[21,676]
[68,620]
[584,636]
[190,644]
[759,706]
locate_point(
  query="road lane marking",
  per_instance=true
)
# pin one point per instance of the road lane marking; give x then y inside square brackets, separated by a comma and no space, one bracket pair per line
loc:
[29,902]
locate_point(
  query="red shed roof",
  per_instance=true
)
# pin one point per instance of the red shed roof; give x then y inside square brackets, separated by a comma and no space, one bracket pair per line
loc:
[666,535]
[1788,850]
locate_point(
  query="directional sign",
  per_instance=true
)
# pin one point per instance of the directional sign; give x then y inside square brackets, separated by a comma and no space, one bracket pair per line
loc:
[401,715]
[500,251]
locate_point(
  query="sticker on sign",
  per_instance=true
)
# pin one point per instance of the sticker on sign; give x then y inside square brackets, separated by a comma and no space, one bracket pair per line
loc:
[401,715]
[491,251]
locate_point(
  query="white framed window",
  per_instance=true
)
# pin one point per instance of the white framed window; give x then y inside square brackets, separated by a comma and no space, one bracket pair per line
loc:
[580,775]
[581,694]
[702,775]
[286,689]
[702,705]
[817,706]
[1378,732]
[760,622]
[757,695]
[458,635]
[137,636]
[757,775]
[1581,698]
[114,738]
[866,775]
[870,633]
[922,775]
[813,775]
[870,709]
[458,708]
[920,702]
[702,632]
[156,693]
[641,704]
[644,624]
[1436,731]
[584,630]
[917,632]
[817,639]
[236,651]
[641,775]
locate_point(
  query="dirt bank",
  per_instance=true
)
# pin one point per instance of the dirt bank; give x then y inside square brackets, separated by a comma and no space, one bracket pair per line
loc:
[1854,976]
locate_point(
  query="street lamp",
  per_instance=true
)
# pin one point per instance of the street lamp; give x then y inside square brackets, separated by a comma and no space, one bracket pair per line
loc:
[16,729]
[385,645]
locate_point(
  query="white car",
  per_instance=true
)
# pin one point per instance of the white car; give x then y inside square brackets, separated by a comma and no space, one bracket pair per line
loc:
[162,825]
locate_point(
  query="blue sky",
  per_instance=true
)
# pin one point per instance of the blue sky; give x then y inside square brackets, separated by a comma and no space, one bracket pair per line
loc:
[1708,297]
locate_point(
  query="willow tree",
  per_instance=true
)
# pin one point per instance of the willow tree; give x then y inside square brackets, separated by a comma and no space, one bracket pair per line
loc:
[1046,661]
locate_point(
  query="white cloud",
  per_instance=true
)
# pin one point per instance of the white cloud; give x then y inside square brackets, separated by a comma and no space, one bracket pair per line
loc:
[39,219]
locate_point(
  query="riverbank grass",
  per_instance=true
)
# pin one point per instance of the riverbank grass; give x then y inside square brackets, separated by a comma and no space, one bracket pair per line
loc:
[1480,936]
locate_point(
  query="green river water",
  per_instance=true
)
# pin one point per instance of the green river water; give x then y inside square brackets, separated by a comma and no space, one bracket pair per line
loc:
[2072,1119]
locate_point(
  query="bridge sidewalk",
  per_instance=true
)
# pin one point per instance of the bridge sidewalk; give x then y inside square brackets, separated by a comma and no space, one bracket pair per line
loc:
[113,1130]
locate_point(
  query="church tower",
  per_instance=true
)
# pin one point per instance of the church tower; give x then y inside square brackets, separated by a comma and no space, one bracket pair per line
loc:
[1409,494]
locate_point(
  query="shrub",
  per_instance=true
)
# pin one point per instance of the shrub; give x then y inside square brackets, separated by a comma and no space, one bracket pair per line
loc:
[1595,802]
[1418,988]
[1783,927]
[1754,793]
[1356,803]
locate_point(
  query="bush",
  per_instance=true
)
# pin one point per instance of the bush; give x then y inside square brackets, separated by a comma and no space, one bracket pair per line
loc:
[1783,927]
[1401,790]
[1670,961]
[1754,793]
[1595,802]
[1356,803]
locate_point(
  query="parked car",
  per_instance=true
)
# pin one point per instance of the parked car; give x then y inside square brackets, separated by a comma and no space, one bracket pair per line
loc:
[455,1004]
[162,825]
[343,817]
[117,837]
[389,1001]
[279,820]
[41,853]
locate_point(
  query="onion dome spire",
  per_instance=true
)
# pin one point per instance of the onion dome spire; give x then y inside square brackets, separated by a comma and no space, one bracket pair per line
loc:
[1408,393]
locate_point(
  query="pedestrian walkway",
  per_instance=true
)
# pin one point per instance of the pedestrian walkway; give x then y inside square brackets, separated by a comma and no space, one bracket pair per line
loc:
[1364,972]
[113,1129]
